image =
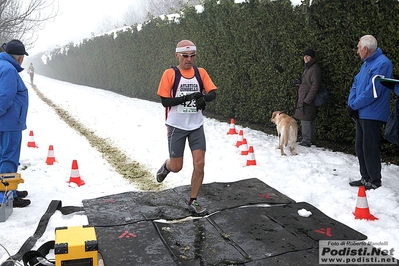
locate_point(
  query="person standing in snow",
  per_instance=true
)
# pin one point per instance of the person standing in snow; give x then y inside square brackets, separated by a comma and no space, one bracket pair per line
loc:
[31,71]
[13,112]
[184,91]
[306,110]
[373,108]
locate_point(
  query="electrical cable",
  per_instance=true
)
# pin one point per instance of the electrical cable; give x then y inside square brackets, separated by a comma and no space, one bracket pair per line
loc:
[9,255]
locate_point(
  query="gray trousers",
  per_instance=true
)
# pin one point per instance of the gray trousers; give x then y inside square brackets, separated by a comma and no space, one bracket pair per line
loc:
[308,132]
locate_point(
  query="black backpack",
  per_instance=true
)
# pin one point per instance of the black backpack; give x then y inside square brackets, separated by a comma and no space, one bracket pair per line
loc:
[178,76]
[323,94]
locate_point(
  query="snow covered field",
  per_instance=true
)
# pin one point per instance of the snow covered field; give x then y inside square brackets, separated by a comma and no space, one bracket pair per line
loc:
[136,127]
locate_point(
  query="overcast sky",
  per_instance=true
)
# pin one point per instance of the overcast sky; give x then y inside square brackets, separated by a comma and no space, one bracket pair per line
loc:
[78,19]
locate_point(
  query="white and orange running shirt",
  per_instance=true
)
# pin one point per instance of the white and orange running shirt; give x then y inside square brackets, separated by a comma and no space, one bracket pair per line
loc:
[184,116]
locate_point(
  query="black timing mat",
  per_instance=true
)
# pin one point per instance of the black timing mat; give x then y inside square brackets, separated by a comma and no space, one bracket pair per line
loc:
[221,196]
[132,244]
[316,227]
[230,237]
[297,258]
[250,223]
[130,207]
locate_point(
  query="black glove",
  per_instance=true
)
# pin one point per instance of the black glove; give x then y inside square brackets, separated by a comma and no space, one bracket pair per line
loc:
[352,113]
[389,85]
[297,82]
[194,95]
[200,103]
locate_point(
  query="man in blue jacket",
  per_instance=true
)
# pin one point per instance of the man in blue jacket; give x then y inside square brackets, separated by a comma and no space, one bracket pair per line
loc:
[13,112]
[372,102]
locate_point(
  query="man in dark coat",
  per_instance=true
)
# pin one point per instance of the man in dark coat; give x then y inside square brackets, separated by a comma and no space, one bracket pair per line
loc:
[306,110]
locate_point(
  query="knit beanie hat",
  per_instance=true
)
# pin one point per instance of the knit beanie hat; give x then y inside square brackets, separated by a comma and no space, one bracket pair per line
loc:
[309,52]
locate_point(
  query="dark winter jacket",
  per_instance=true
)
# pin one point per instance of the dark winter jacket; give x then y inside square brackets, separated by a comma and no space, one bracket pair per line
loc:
[13,95]
[372,105]
[306,110]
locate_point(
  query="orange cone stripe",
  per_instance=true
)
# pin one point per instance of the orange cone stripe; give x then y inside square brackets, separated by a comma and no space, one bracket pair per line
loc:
[244,147]
[362,208]
[232,129]
[31,141]
[251,156]
[239,139]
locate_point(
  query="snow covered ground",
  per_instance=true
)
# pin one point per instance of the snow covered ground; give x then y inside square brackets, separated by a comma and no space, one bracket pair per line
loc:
[136,127]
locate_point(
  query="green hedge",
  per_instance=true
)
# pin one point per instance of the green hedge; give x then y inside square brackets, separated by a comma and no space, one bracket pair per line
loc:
[252,50]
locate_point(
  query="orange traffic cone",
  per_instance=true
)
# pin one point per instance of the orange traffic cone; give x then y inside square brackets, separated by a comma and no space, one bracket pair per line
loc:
[239,138]
[50,156]
[362,208]
[75,176]
[232,129]
[31,140]
[244,147]
[251,156]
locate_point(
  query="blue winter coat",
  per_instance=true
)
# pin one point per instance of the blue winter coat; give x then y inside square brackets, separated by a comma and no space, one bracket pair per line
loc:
[361,96]
[14,98]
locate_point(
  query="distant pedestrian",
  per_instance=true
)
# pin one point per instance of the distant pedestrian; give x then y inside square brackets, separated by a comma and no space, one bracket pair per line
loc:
[31,71]
[184,90]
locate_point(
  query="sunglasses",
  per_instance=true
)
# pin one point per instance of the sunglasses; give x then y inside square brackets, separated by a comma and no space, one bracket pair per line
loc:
[187,55]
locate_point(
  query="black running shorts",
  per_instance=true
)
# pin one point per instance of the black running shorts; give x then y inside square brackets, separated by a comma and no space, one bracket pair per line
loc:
[177,140]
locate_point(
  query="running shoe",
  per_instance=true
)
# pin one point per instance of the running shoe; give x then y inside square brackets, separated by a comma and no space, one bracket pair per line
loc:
[195,208]
[162,173]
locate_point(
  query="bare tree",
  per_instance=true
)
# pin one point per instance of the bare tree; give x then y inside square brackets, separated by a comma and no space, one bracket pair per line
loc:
[135,13]
[144,9]
[164,7]
[21,19]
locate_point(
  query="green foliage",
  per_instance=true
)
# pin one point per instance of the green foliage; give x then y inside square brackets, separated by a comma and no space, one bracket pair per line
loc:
[252,51]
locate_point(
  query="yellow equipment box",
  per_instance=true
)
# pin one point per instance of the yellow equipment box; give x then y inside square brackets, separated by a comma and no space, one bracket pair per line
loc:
[11,180]
[76,245]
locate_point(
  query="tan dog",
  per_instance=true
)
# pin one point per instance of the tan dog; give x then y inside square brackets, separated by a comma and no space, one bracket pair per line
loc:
[287,130]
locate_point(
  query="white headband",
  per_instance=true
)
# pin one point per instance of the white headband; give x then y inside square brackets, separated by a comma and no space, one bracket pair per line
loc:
[186,49]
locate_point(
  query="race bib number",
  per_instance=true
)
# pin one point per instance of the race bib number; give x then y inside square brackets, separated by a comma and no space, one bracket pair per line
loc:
[188,106]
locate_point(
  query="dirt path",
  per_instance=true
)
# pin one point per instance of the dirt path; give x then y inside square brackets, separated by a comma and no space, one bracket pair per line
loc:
[135,172]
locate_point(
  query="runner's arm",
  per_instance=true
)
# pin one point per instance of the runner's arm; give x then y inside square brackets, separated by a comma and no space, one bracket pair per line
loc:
[210,96]
[167,102]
